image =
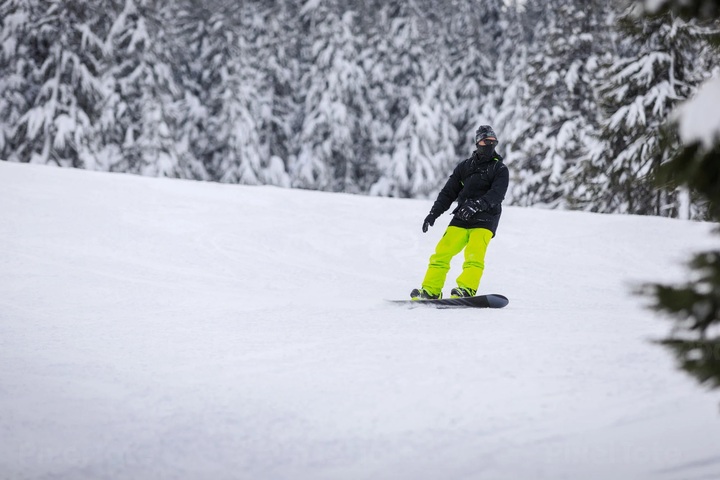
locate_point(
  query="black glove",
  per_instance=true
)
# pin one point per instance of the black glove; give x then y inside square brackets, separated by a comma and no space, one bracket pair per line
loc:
[470,208]
[429,222]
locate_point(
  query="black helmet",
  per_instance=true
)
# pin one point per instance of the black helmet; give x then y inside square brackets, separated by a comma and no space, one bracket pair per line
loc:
[483,132]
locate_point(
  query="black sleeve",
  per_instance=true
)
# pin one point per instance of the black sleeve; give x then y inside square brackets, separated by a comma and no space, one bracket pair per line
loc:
[448,194]
[496,194]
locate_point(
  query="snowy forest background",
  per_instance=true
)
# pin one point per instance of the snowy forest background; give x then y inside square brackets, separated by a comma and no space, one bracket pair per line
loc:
[376,97]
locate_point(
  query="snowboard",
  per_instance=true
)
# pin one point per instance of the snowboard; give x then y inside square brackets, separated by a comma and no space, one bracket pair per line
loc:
[492,300]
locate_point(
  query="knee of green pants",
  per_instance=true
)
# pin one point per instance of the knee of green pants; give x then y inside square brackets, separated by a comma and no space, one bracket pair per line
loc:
[453,241]
[474,264]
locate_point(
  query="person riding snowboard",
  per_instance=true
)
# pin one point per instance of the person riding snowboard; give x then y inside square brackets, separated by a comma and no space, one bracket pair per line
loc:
[478,184]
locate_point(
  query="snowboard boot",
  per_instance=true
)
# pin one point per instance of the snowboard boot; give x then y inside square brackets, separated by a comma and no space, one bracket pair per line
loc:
[459,292]
[422,294]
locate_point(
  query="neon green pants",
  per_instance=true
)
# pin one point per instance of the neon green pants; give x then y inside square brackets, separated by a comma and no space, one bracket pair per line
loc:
[475,242]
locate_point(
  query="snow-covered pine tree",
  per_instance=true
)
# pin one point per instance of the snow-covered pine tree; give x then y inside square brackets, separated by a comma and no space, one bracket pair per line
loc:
[425,140]
[223,106]
[375,19]
[52,54]
[660,64]
[695,305]
[473,34]
[564,39]
[140,115]
[424,135]
[14,81]
[188,34]
[512,120]
[334,138]
[279,51]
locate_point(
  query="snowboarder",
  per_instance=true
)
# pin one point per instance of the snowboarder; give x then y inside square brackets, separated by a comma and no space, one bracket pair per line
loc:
[478,184]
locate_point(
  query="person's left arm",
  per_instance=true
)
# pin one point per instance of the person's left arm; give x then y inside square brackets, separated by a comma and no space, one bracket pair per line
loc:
[496,194]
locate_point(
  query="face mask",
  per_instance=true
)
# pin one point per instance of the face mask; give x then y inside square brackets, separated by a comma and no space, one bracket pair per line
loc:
[485,150]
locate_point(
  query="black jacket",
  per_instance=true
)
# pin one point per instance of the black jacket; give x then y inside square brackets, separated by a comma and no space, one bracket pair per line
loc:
[475,177]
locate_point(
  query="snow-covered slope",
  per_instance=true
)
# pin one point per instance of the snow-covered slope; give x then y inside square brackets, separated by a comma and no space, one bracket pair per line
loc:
[156,328]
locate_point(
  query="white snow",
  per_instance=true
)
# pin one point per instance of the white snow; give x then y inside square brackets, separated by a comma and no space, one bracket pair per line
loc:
[156,328]
[653,6]
[698,121]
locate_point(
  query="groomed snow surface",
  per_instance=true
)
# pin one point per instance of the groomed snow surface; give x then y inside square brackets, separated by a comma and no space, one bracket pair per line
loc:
[167,329]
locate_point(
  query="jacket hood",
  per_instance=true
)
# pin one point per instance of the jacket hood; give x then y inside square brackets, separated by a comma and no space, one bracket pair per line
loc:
[476,159]
[482,158]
